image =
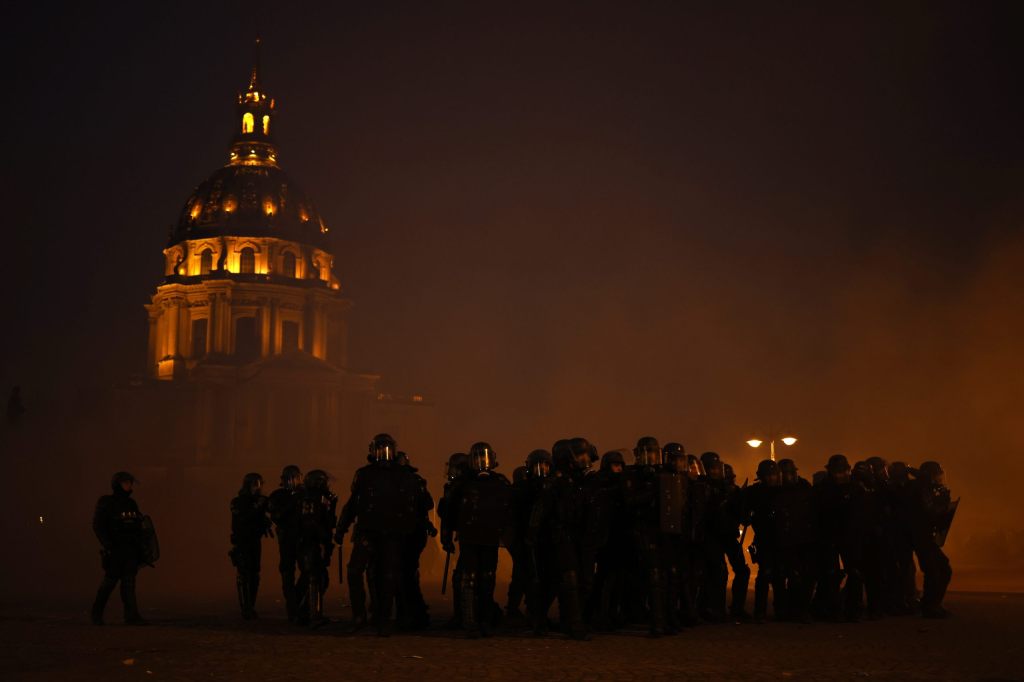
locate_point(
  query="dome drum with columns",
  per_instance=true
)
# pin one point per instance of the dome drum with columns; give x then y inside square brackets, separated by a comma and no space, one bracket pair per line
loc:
[247,271]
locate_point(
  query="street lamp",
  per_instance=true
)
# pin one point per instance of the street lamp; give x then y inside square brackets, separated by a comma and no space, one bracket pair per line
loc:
[786,440]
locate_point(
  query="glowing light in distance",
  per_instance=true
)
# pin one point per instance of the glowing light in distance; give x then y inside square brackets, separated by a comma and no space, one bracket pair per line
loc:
[754,443]
[789,440]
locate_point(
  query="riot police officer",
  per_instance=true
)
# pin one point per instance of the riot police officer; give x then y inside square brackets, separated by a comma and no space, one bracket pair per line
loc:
[733,544]
[606,600]
[902,581]
[641,496]
[481,504]
[558,524]
[386,506]
[249,524]
[761,506]
[120,528]
[525,492]
[931,515]
[315,544]
[676,550]
[797,531]
[838,504]
[413,613]
[720,530]
[284,509]
[456,467]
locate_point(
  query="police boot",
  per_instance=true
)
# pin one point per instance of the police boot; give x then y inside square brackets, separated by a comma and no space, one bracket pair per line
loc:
[106,588]
[657,599]
[131,606]
[455,622]
[569,605]
[469,606]
[290,598]
[760,599]
[242,587]
[740,587]
[254,588]
[357,599]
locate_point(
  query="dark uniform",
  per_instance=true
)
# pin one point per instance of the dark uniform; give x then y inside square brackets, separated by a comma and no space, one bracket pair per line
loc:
[902,580]
[413,613]
[481,505]
[694,550]
[642,502]
[839,505]
[249,524]
[386,507]
[120,528]
[456,468]
[797,532]
[676,532]
[760,503]
[526,489]
[732,542]
[930,516]
[317,508]
[720,530]
[283,505]
[608,509]
[557,529]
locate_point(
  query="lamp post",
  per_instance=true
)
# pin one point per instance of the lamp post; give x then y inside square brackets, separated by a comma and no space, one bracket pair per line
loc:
[786,440]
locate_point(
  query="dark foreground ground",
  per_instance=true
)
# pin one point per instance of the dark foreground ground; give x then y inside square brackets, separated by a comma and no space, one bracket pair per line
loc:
[984,641]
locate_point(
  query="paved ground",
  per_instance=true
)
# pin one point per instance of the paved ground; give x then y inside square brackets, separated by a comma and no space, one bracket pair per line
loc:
[984,641]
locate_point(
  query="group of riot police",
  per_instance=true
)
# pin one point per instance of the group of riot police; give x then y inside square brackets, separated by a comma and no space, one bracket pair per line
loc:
[614,544]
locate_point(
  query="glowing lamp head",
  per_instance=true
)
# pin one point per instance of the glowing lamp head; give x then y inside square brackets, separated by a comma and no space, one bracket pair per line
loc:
[789,440]
[754,443]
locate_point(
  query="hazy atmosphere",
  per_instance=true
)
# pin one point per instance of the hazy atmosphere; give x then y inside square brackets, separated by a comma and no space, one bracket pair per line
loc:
[598,219]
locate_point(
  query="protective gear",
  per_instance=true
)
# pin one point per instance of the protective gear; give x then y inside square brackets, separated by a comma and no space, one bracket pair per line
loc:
[538,463]
[729,474]
[766,469]
[289,473]
[317,479]
[647,452]
[120,477]
[482,457]
[837,463]
[787,468]
[610,458]
[930,471]
[119,526]
[695,468]
[562,457]
[457,465]
[383,448]
[583,453]
[402,459]
[673,457]
[712,465]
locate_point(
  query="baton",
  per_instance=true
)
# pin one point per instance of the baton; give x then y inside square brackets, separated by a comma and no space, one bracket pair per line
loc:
[444,581]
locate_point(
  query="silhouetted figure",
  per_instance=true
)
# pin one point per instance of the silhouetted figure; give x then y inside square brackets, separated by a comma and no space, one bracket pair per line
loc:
[15,408]
[249,525]
[761,504]
[481,504]
[931,514]
[285,510]
[121,530]
[386,507]
[456,468]
[315,546]
[413,612]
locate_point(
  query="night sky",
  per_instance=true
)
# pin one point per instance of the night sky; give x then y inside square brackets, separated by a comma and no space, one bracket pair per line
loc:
[566,219]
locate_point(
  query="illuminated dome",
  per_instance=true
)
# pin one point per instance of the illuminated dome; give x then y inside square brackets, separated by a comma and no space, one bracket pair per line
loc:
[250,201]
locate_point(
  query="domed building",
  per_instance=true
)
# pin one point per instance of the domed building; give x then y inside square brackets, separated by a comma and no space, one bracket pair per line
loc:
[247,269]
[247,359]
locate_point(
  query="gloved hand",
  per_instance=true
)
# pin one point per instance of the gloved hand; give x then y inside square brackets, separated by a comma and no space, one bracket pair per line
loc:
[448,544]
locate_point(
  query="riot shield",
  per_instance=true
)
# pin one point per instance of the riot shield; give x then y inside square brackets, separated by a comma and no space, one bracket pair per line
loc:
[947,521]
[150,542]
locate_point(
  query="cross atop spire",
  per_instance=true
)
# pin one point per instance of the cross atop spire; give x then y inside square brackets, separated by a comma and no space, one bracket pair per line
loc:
[254,77]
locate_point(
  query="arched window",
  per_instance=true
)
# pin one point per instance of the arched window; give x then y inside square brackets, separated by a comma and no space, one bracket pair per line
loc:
[205,262]
[288,264]
[248,122]
[247,261]
[266,125]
